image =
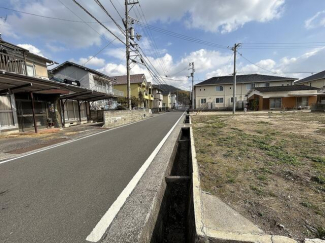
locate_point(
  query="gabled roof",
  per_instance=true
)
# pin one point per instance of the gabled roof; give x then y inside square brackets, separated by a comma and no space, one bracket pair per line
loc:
[320,75]
[248,78]
[68,63]
[284,88]
[134,79]
[15,47]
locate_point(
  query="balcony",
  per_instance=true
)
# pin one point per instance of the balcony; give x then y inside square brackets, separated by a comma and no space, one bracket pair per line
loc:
[110,91]
[13,64]
[158,96]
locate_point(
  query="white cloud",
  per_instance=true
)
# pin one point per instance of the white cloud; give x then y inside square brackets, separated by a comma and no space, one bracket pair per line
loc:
[92,61]
[214,15]
[55,48]
[32,49]
[71,34]
[318,20]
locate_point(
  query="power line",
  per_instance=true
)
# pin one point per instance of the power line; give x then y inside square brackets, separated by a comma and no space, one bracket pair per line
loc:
[107,13]
[98,21]
[116,10]
[164,69]
[79,17]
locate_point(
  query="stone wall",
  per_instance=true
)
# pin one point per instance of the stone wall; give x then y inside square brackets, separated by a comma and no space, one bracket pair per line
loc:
[121,117]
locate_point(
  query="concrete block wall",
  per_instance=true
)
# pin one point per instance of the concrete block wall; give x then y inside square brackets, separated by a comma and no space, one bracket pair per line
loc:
[118,118]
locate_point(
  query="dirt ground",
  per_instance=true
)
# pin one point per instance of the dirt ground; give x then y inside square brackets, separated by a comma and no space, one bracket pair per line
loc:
[269,167]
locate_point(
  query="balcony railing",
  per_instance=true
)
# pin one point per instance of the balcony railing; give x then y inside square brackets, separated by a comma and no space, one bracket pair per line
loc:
[109,91]
[13,64]
[159,96]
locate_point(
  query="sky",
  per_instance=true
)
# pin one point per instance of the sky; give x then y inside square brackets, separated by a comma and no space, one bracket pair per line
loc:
[277,37]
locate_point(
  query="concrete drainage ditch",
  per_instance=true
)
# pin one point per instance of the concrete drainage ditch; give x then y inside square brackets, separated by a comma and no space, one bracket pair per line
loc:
[175,221]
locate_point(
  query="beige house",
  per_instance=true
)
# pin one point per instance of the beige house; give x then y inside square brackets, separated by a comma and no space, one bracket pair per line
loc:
[167,102]
[282,97]
[217,92]
[317,80]
[158,98]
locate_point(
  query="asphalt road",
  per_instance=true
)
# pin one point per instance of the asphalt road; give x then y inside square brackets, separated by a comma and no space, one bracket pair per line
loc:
[59,195]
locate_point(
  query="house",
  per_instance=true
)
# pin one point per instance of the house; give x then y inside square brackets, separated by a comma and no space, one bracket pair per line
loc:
[217,92]
[88,78]
[167,102]
[282,97]
[173,101]
[141,89]
[29,100]
[24,103]
[158,98]
[317,80]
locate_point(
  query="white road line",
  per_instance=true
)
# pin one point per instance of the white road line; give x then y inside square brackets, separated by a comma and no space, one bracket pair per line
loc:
[101,227]
[70,141]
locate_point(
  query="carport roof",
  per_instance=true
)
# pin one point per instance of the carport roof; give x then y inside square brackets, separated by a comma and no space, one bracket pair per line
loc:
[17,83]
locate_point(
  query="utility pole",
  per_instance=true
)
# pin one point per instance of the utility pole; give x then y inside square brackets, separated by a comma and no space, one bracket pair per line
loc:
[192,75]
[234,88]
[129,34]
[127,54]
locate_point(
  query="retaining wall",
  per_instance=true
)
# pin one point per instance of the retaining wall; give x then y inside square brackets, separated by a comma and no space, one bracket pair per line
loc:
[121,117]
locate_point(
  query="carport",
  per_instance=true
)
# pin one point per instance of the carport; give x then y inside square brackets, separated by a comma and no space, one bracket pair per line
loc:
[36,98]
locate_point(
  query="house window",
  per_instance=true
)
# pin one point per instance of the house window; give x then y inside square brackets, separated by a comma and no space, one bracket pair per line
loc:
[30,70]
[262,85]
[275,103]
[219,88]
[302,101]
[232,99]
[203,101]
[219,100]
[249,86]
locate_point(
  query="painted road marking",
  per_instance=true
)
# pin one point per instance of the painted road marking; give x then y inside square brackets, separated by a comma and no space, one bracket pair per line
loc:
[101,227]
[71,141]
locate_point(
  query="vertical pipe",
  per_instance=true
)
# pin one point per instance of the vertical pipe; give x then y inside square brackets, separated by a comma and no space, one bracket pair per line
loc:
[33,109]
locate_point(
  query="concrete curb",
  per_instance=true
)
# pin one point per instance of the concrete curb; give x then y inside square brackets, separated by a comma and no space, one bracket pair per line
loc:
[204,234]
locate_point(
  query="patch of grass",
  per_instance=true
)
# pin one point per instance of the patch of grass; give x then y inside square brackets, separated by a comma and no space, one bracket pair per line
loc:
[264,123]
[319,179]
[320,233]
[258,190]
[317,159]
[261,177]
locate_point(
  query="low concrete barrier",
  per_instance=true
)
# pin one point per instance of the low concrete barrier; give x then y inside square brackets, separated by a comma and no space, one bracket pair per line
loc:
[121,117]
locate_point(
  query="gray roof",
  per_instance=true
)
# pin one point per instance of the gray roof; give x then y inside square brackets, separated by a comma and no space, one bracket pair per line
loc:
[248,78]
[320,75]
[134,79]
[285,88]
[68,63]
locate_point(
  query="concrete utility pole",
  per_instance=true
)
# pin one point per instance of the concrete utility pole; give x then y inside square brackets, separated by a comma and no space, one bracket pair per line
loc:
[129,34]
[234,88]
[127,54]
[192,75]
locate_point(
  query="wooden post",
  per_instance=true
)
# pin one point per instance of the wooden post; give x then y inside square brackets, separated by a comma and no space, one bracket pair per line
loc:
[12,111]
[33,109]
[62,112]
[79,111]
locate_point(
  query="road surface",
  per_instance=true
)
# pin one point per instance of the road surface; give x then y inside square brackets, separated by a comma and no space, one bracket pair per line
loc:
[60,194]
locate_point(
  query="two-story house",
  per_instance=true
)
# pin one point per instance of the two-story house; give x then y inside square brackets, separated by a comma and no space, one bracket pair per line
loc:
[25,101]
[141,89]
[158,98]
[217,92]
[70,72]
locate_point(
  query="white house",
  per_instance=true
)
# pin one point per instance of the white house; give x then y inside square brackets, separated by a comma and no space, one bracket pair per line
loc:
[217,92]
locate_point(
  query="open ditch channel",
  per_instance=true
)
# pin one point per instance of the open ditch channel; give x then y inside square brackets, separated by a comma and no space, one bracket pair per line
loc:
[175,221]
